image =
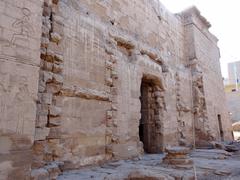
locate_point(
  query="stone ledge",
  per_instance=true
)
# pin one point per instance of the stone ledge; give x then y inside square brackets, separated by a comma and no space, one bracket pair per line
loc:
[84,93]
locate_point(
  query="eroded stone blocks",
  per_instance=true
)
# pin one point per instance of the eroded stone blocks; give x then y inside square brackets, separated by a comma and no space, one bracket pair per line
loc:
[82,106]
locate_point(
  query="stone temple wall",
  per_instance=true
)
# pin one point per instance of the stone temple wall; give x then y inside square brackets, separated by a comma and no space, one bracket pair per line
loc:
[109,49]
[71,79]
[203,55]
[20,34]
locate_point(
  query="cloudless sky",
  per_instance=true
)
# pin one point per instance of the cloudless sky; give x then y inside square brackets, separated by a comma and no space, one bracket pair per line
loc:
[224,16]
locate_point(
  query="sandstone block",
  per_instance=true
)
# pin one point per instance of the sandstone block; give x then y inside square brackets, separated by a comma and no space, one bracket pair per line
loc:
[55,37]
[46,22]
[109,122]
[177,157]
[177,150]
[113,59]
[109,132]
[58,100]
[48,66]
[114,74]
[55,1]
[109,149]
[157,94]
[53,88]
[109,65]
[44,42]
[57,68]
[114,91]
[109,81]
[148,174]
[38,147]
[39,174]
[41,133]
[124,151]
[53,170]
[43,51]
[56,27]
[46,98]
[42,109]
[55,111]
[109,114]
[114,107]
[54,121]
[58,78]
[56,48]
[58,57]
[94,150]
[58,19]
[55,148]
[55,133]
[37,162]
[49,55]
[46,76]
[47,11]
[41,121]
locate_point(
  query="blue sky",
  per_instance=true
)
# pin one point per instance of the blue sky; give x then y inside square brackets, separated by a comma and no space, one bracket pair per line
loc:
[224,15]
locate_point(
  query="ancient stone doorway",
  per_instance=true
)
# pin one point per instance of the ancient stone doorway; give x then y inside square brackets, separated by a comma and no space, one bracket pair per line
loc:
[220,127]
[150,124]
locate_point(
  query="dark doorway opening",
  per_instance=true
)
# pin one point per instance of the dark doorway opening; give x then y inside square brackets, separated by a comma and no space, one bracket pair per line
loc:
[149,128]
[220,127]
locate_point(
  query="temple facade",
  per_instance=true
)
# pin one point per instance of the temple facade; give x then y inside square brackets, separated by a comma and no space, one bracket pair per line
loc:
[84,82]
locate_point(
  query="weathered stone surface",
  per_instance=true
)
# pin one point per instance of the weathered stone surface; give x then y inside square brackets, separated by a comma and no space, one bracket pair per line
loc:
[211,154]
[55,37]
[177,150]
[53,170]
[177,157]
[20,42]
[41,133]
[54,121]
[146,174]
[39,174]
[45,98]
[55,111]
[91,81]
[218,145]
[231,148]
[55,133]
[150,167]
[41,121]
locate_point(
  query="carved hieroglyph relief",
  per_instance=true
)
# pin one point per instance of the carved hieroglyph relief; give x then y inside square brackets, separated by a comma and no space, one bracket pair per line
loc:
[15,102]
[23,27]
